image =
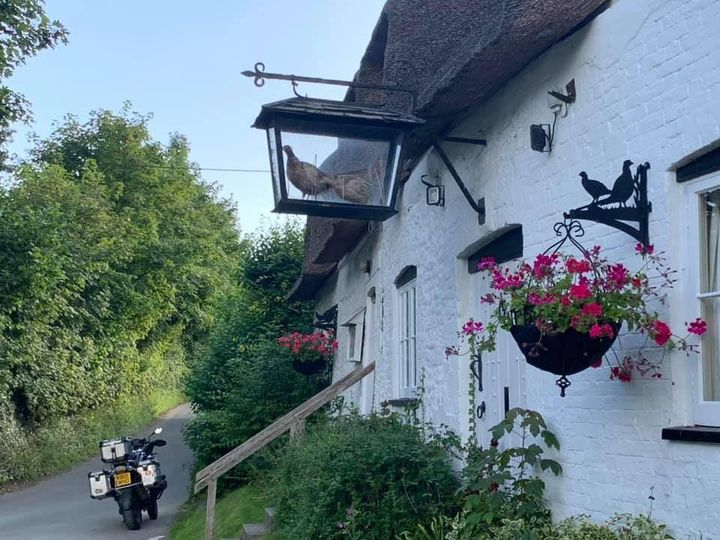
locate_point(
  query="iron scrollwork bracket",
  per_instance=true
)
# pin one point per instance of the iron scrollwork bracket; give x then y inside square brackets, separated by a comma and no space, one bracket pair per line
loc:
[609,206]
[259,75]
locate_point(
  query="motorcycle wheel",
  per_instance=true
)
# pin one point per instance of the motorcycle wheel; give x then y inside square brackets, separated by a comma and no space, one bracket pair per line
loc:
[132,518]
[152,509]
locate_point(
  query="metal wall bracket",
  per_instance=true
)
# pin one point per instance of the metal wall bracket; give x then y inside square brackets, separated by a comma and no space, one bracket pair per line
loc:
[613,210]
[479,205]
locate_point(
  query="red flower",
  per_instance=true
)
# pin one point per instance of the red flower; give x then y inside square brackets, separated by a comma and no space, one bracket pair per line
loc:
[489,298]
[660,332]
[597,363]
[538,299]
[598,331]
[486,263]
[580,291]
[644,250]
[594,309]
[472,328]
[618,275]
[543,265]
[697,327]
[577,267]
[622,375]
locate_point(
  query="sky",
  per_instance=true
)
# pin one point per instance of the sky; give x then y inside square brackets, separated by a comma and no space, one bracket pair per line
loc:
[181,60]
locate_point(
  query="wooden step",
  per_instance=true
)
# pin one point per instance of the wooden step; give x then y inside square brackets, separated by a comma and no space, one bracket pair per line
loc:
[270,518]
[253,531]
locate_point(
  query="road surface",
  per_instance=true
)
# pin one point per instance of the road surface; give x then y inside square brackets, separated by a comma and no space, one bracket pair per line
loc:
[60,508]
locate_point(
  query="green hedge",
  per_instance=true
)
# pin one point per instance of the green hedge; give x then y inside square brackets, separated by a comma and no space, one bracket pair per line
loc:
[357,477]
[28,455]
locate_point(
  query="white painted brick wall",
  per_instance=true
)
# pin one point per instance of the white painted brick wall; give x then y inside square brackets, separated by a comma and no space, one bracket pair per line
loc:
[648,82]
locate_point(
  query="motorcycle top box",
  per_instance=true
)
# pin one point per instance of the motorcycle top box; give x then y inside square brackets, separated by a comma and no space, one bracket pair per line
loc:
[99,484]
[115,451]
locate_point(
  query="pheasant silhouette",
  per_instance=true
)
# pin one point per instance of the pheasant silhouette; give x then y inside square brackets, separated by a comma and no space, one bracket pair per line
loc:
[623,188]
[593,187]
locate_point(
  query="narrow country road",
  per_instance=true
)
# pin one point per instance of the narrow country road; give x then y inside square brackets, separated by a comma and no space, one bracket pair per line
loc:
[60,508]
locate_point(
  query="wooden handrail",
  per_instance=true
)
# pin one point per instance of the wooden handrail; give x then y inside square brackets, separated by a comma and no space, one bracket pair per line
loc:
[293,421]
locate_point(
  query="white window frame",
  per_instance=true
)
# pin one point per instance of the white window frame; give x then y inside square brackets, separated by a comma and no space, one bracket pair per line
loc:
[355,329]
[407,340]
[705,413]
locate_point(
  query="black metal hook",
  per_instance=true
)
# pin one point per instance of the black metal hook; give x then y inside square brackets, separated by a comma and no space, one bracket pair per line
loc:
[476,370]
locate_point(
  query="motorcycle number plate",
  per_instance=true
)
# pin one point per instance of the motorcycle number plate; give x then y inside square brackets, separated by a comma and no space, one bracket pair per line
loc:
[122,479]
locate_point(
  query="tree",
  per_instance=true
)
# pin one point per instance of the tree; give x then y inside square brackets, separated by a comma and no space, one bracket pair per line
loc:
[25,30]
[112,253]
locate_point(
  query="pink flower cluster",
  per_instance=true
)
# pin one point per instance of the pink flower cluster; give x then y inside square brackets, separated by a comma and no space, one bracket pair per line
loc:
[472,328]
[322,343]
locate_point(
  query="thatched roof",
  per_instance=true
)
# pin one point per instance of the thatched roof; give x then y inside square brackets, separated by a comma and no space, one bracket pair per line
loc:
[455,54]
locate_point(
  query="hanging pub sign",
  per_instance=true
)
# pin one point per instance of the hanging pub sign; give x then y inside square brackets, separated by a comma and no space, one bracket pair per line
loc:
[332,158]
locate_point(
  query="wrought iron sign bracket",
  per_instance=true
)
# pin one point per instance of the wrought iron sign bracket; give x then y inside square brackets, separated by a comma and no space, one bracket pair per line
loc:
[479,205]
[259,76]
[609,206]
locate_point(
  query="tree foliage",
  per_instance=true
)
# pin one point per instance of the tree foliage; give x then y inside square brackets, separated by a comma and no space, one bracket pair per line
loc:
[241,380]
[112,252]
[25,30]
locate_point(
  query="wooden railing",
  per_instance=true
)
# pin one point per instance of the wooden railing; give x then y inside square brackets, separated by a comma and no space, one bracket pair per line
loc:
[293,421]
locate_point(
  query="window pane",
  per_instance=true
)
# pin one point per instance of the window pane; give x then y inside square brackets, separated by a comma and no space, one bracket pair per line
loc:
[351,337]
[711,350]
[711,241]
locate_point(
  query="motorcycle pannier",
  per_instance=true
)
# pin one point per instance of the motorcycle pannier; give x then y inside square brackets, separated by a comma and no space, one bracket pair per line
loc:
[150,473]
[115,451]
[99,484]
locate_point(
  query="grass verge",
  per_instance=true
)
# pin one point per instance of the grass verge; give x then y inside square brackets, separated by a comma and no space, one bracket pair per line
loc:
[30,455]
[232,510]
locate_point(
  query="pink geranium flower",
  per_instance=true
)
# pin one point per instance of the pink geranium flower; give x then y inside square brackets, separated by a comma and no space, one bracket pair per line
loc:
[697,327]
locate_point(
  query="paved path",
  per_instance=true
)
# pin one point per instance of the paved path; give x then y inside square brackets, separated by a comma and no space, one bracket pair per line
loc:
[60,508]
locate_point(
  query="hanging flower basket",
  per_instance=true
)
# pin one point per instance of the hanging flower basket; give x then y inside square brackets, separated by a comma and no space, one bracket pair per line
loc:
[565,312]
[311,353]
[562,353]
[309,367]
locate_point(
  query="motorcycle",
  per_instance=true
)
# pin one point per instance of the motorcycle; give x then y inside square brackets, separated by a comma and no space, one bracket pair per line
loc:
[134,481]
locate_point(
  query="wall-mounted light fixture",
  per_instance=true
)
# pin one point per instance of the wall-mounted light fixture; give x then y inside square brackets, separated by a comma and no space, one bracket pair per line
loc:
[542,135]
[434,193]
[477,205]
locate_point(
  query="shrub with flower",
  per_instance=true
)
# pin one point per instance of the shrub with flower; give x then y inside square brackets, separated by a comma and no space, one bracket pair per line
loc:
[589,294]
[310,347]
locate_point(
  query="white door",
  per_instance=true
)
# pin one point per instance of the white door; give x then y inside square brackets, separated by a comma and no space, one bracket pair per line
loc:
[503,372]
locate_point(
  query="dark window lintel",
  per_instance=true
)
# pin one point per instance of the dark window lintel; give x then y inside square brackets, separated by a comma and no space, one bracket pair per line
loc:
[702,434]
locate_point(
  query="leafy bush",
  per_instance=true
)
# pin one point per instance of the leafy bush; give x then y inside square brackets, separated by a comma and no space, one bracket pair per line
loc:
[619,527]
[262,386]
[59,444]
[240,379]
[499,484]
[361,477]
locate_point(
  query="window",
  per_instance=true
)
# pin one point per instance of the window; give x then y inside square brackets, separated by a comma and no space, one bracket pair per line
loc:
[406,339]
[355,330]
[352,331]
[710,291]
[703,233]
